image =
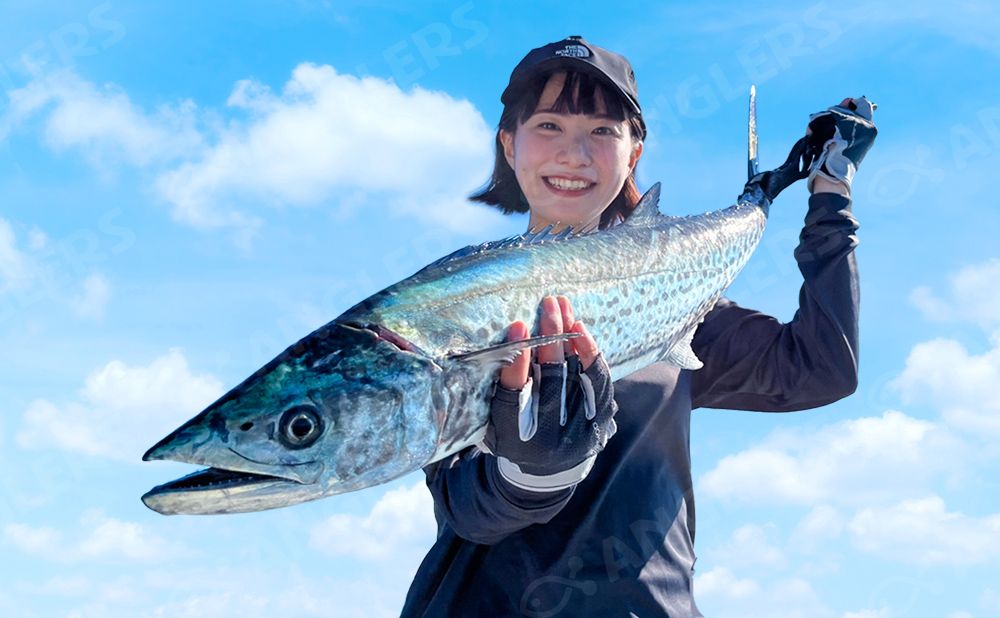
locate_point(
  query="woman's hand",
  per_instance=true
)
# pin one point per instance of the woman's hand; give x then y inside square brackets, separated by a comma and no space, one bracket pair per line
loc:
[842,136]
[546,429]
[556,318]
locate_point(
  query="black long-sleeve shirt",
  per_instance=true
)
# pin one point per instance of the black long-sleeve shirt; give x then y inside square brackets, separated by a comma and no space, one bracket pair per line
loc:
[621,543]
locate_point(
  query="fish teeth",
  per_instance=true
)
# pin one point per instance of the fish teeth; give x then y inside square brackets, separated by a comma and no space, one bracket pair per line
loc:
[568,185]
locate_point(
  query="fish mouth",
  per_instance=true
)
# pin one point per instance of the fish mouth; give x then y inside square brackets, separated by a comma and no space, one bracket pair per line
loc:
[215,491]
[216,478]
[232,482]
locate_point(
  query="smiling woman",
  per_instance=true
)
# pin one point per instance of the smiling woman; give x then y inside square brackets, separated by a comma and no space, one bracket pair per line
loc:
[558,132]
[560,510]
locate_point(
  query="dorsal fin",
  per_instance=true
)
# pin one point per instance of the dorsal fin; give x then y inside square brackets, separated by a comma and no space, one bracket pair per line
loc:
[647,210]
[531,237]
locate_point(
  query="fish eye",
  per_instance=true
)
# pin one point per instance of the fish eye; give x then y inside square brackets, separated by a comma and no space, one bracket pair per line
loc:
[300,427]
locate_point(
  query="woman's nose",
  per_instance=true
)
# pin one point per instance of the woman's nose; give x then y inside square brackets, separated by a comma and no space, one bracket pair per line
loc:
[575,151]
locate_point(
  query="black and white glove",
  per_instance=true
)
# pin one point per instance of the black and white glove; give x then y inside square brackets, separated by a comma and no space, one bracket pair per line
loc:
[547,435]
[842,136]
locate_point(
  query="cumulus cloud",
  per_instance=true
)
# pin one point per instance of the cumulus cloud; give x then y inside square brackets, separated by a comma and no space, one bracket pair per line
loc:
[121,410]
[972,295]
[822,523]
[721,593]
[402,519]
[869,613]
[923,531]
[325,138]
[197,591]
[964,386]
[328,135]
[990,600]
[849,462]
[35,271]
[101,121]
[749,546]
[103,538]
[720,582]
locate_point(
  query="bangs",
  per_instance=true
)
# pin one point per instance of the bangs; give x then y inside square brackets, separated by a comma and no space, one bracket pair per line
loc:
[581,94]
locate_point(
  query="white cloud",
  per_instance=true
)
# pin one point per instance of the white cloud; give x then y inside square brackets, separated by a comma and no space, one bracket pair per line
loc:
[821,524]
[924,532]
[973,294]
[324,138]
[102,121]
[850,462]
[122,410]
[720,593]
[328,135]
[60,585]
[869,613]
[720,582]
[964,386]
[252,593]
[990,600]
[15,266]
[402,519]
[92,300]
[36,274]
[104,538]
[749,546]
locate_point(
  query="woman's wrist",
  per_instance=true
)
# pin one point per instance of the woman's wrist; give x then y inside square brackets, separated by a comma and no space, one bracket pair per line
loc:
[822,185]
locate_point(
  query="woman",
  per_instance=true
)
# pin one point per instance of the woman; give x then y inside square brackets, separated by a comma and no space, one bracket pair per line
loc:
[568,509]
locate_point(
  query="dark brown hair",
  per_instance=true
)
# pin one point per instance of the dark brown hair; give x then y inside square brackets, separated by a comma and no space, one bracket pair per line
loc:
[578,96]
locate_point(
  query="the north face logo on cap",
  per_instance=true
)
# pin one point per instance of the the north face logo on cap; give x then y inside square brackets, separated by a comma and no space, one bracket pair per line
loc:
[573,51]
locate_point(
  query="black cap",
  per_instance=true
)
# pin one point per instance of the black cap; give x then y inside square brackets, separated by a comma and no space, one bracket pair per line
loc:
[575,53]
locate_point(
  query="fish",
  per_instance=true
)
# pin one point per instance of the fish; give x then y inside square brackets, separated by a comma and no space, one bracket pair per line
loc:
[404,378]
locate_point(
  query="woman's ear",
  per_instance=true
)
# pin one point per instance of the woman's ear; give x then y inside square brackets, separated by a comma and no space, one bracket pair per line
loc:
[634,157]
[507,141]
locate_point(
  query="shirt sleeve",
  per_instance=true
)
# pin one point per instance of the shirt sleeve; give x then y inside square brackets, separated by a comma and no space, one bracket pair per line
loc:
[754,362]
[478,505]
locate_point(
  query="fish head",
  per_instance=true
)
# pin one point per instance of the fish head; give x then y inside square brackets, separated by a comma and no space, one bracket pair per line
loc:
[343,409]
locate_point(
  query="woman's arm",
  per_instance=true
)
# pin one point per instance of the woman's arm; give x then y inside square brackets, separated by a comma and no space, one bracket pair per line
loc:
[754,362]
[543,437]
[473,500]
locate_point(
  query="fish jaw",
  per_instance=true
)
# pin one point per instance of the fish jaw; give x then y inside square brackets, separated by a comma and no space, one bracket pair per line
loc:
[217,492]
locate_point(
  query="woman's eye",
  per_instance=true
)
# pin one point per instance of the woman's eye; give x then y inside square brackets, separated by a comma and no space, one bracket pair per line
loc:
[548,126]
[604,131]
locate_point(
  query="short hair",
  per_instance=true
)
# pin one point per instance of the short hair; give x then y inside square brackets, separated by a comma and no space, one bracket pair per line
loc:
[578,96]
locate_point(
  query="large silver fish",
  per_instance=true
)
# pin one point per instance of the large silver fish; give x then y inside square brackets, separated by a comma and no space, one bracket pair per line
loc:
[403,378]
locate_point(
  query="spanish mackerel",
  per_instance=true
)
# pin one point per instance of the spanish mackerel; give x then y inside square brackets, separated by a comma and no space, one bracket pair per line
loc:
[404,378]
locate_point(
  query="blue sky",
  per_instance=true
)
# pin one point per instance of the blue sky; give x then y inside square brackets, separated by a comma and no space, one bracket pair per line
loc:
[187,188]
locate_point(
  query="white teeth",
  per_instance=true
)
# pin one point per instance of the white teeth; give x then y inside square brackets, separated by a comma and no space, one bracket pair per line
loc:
[568,185]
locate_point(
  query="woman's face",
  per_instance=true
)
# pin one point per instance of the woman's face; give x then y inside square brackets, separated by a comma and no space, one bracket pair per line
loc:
[569,166]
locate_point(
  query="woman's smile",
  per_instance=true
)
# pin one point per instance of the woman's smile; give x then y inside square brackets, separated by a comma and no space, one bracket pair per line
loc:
[569,167]
[568,186]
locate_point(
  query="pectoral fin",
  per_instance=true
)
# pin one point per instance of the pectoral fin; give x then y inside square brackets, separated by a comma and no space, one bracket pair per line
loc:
[682,355]
[505,353]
